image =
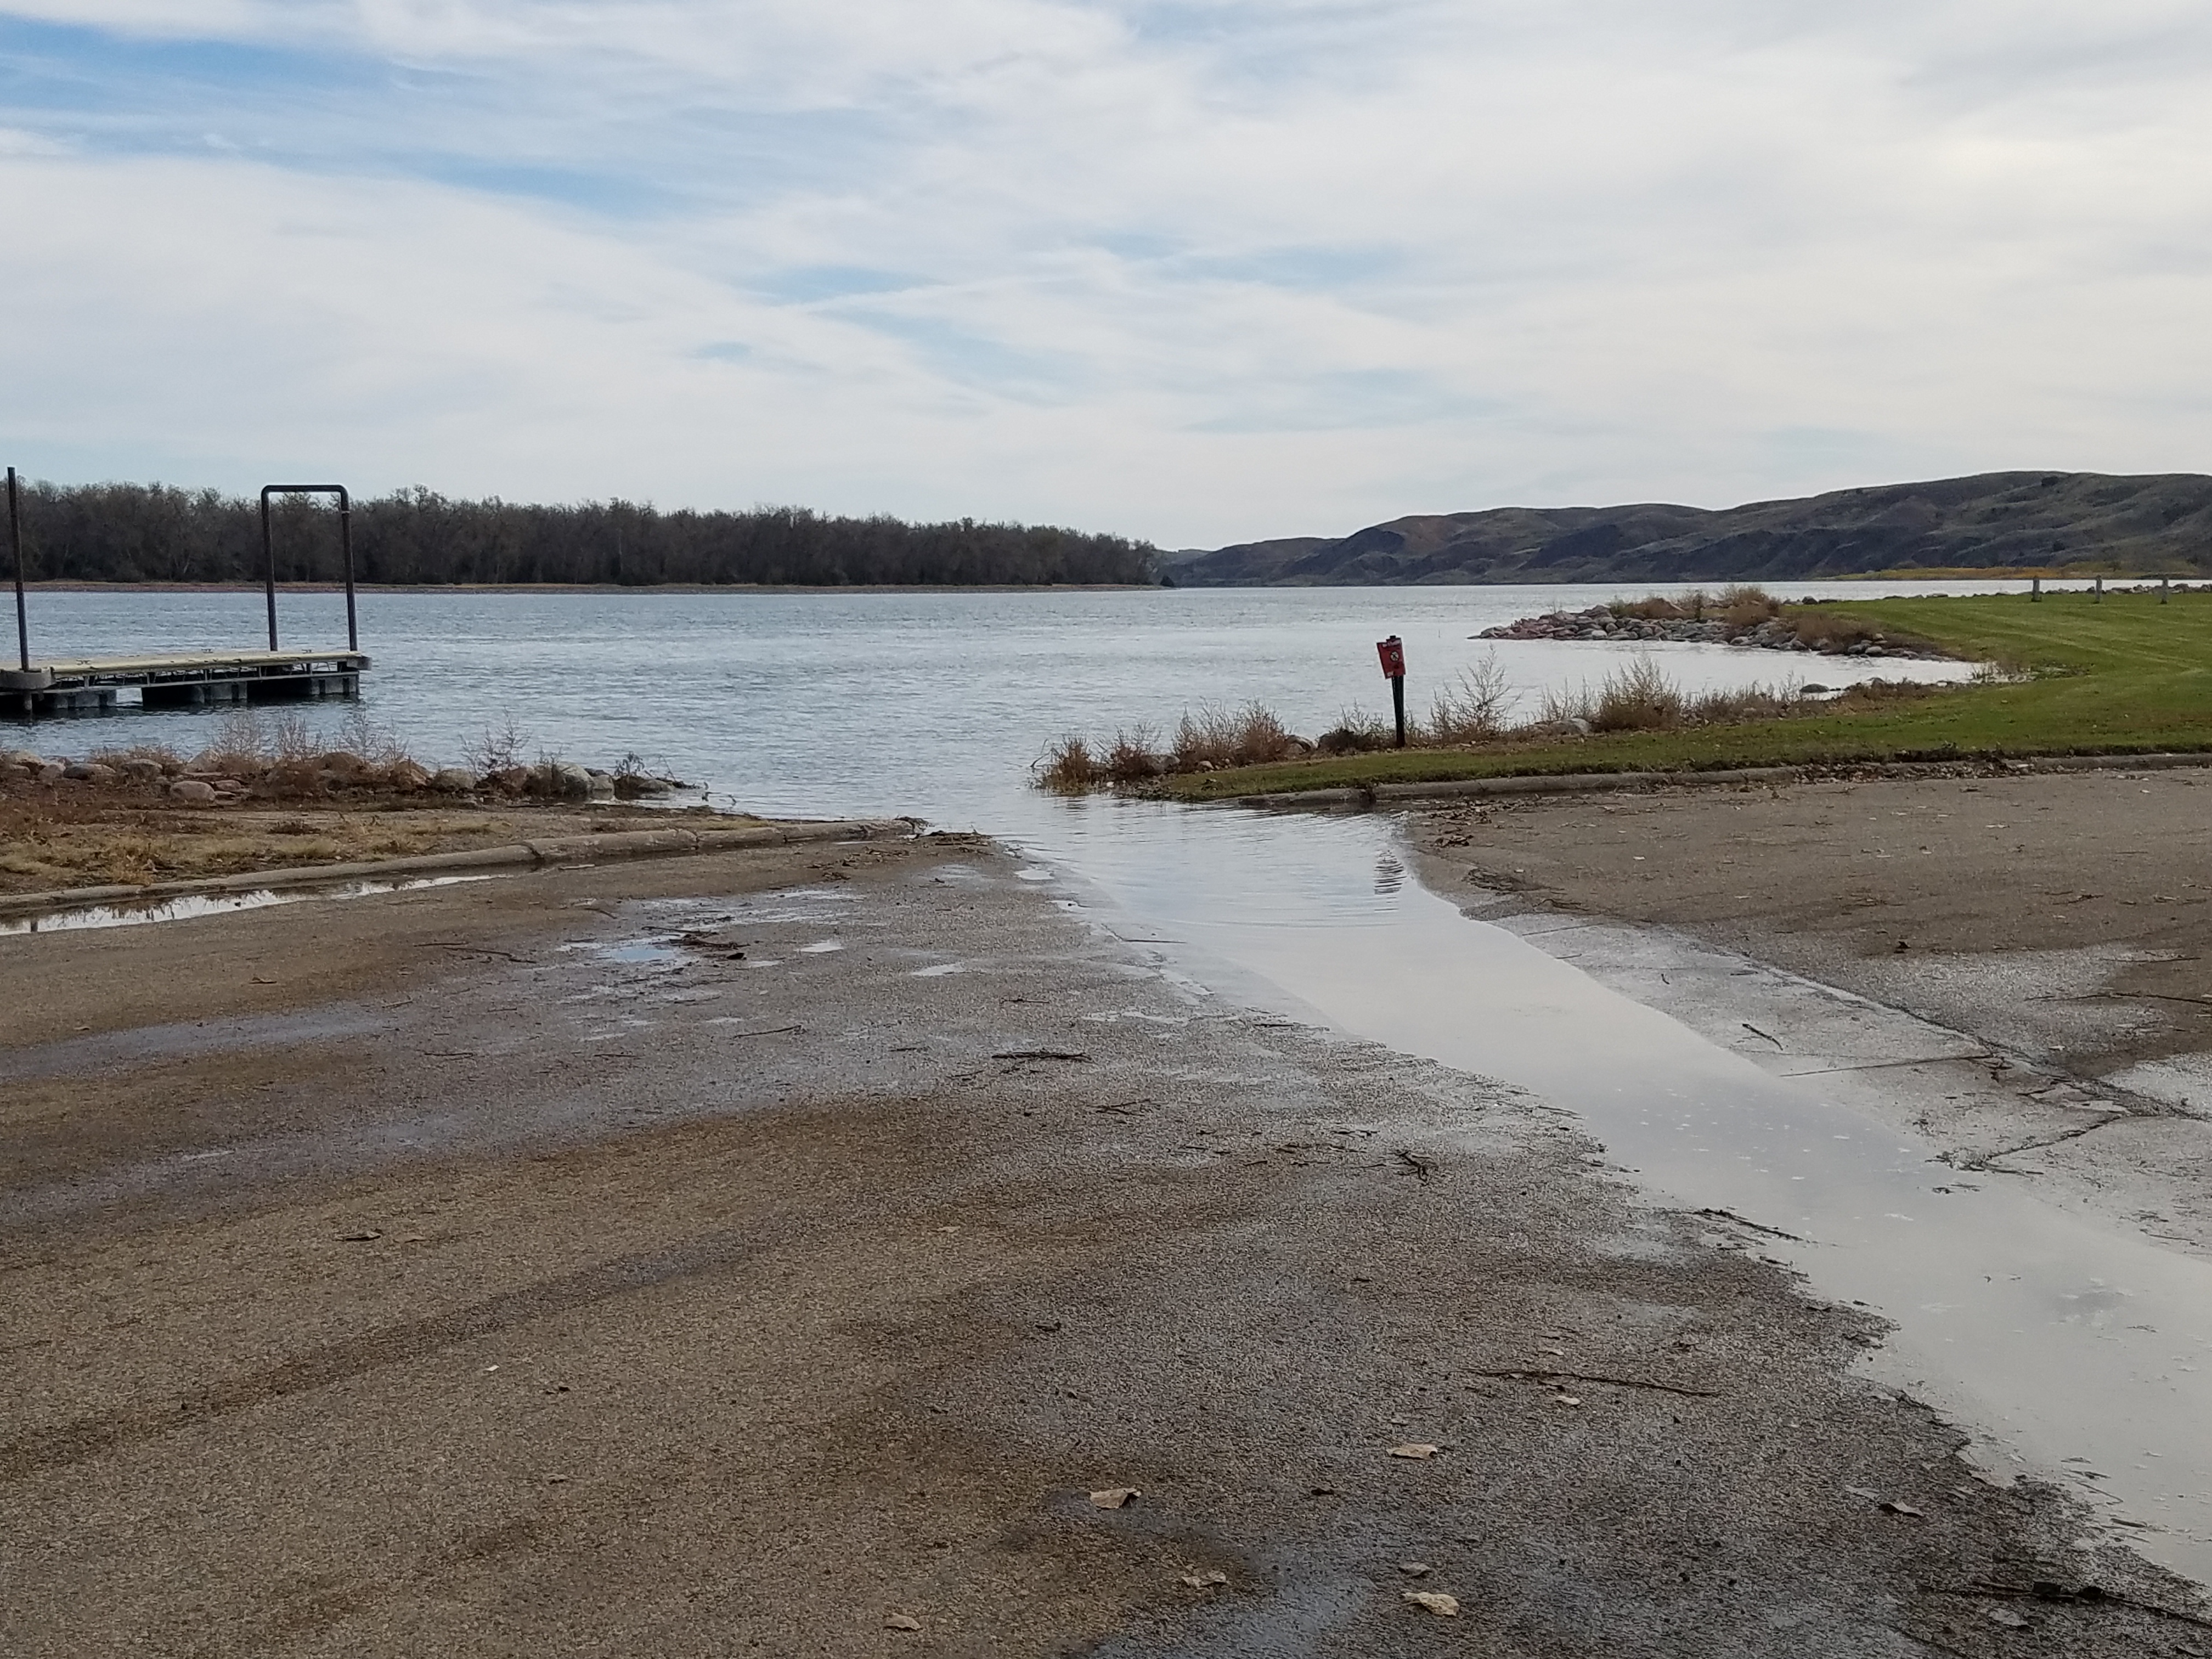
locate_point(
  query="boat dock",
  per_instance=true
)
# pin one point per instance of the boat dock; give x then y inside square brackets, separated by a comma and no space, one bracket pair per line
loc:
[95,685]
[187,679]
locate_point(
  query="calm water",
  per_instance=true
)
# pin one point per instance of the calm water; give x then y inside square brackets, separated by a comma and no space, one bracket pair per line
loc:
[830,704]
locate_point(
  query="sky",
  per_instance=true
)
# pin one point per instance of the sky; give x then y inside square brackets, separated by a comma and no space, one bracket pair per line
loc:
[1193,270]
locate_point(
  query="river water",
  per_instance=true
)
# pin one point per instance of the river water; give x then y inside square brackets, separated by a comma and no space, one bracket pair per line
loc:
[2066,1345]
[864,704]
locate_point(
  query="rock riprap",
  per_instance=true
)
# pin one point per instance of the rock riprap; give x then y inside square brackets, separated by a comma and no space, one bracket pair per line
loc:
[1602,623]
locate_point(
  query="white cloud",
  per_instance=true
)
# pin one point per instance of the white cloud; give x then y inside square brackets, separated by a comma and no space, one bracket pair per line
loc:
[1198,271]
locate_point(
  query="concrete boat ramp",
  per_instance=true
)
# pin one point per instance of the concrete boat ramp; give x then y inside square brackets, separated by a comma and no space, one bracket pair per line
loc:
[95,685]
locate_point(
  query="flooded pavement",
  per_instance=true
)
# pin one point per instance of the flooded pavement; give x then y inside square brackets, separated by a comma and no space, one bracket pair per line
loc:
[2076,1349]
[188,906]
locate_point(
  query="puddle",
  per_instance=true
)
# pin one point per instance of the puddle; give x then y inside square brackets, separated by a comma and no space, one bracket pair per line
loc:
[938,971]
[821,947]
[187,906]
[645,950]
[2051,1335]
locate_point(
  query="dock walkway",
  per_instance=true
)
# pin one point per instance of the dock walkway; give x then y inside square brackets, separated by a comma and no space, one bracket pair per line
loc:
[181,679]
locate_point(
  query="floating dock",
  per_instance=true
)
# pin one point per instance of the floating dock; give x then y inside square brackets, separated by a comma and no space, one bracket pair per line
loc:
[95,685]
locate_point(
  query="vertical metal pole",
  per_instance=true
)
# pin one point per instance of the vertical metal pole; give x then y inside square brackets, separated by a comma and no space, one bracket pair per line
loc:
[2036,591]
[345,540]
[2163,583]
[269,559]
[1398,702]
[15,541]
[2101,590]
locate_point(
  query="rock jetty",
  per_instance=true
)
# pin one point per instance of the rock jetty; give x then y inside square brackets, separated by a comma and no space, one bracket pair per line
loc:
[1771,634]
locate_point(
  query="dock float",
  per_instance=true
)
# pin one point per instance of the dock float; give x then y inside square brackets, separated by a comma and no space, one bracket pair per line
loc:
[93,685]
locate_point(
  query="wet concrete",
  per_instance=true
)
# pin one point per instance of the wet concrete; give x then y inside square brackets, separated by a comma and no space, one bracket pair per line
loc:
[2072,1344]
[591,1303]
[189,906]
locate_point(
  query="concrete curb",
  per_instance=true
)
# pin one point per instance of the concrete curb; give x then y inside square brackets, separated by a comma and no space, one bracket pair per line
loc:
[531,855]
[1577,783]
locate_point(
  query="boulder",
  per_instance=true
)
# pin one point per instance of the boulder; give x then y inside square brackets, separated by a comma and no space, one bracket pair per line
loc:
[632,785]
[407,775]
[513,780]
[48,772]
[453,780]
[23,757]
[140,770]
[89,771]
[565,780]
[193,791]
[602,785]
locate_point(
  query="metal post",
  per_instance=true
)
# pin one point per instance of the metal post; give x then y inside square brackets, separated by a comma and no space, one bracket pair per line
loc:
[269,559]
[15,541]
[2035,591]
[345,540]
[2163,583]
[1398,702]
[2101,590]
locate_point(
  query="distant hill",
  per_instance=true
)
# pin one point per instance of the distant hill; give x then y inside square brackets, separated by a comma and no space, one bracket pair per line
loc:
[2158,523]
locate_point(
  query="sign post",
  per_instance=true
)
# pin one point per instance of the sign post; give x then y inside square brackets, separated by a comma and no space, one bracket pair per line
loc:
[1393,652]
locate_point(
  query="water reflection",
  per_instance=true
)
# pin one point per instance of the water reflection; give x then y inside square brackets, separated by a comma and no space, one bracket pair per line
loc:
[2057,1337]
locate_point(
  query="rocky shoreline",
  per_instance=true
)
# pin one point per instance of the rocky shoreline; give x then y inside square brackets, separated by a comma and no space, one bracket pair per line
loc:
[209,781]
[1775,633]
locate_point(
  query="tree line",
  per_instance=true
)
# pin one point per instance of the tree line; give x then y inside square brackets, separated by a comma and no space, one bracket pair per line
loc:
[123,533]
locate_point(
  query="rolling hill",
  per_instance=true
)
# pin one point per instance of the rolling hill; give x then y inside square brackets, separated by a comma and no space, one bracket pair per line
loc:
[2153,524]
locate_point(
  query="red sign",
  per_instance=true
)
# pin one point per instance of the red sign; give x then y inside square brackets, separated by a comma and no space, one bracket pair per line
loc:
[1393,652]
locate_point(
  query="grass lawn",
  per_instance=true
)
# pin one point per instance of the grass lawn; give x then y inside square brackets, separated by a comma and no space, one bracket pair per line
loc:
[2125,675]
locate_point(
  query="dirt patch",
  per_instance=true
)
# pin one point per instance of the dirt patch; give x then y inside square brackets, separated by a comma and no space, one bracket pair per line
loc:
[68,834]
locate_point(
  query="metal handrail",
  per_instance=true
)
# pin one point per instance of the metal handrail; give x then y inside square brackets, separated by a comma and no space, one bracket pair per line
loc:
[345,540]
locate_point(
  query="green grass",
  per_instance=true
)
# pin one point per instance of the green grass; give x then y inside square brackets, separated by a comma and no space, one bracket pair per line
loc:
[2128,675]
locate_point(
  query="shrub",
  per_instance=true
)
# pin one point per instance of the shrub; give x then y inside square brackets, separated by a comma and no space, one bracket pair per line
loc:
[1638,697]
[1133,756]
[1250,736]
[1742,608]
[1357,733]
[1473,708]
[1068,768]
[497,748]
